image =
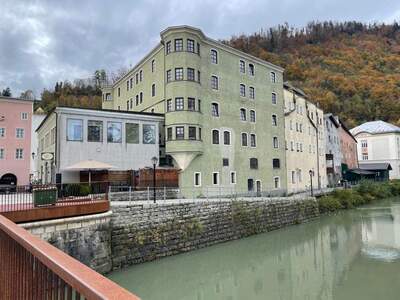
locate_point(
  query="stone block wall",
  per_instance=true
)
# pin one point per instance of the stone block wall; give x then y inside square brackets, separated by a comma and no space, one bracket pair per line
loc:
[86,238]
[142,233]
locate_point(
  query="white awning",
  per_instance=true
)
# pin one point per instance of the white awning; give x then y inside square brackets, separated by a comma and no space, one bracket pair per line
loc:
[90,165]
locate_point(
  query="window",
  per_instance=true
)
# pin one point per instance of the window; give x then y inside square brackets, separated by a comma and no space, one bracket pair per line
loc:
[74,130]
[244,139]
[137,78]
[214,110]
[365,157]
[215,178]
[168,47]
[227,138]
[178,73]
[253,163]
[250,184]
[293,177]
[169,78]
[276,164]
[214,82]
[141,75]
[364,144]
[252,140]
[137,100]
[273,98]
[273,77]
[190,74]
[178,45]
[132,133]
[214,56]
[24,116]
[192,133]
[141,97]
[199,105]
[198,48]
[243,114]
[149,134]
[251,92]
[19,153]
[114,132]
[242,90]
[127,105]
[179,103]
[252,116]
[291,146]
[200,134]
[2,153]
[225,162]
[215,137]
[169,134]
[131,103]
[2,132]
[198,76]
[190,46]
[277,183]
[127,85]
[19,133]
[274,120]
[179,132]
[242,66]
[153,89]
[275,142]
[153,66]
[251,69]
[197,179]
[233,177]
[119,92]
[191,104]
[95,131]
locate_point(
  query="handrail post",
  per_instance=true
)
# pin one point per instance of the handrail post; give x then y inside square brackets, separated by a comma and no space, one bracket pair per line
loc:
[148,193]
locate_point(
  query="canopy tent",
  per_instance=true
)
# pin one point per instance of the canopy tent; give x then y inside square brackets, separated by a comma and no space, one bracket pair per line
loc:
[89,165]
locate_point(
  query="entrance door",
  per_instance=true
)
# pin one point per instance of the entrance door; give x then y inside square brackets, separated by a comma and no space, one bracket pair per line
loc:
[258,187]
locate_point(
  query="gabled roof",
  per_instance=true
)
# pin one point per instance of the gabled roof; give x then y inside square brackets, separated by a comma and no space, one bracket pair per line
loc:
[333,119]
[287,85]
[375,127]
[375,166]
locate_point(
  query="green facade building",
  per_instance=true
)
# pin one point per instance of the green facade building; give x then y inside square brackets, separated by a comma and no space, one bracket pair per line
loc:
[224,112]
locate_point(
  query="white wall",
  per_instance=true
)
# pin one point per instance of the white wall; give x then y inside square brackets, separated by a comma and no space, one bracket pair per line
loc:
[36,120]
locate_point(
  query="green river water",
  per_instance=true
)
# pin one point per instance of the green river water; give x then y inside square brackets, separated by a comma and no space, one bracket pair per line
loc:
[353,255]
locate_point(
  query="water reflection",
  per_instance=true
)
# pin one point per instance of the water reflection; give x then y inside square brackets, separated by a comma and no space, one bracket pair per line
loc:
[321,260]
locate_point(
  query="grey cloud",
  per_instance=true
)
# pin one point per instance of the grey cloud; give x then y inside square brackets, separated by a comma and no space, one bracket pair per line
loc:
[42,42]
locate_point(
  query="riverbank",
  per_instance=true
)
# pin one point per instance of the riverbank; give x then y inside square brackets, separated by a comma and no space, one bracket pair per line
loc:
[365,193]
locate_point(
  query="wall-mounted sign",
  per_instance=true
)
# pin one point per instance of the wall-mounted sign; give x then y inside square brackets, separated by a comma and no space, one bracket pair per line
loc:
[47,156]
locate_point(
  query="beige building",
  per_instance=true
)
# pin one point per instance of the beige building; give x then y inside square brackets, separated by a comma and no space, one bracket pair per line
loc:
[305,142]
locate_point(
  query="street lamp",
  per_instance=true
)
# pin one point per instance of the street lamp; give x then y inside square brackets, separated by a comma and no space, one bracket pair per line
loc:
[154,161]
[311,172]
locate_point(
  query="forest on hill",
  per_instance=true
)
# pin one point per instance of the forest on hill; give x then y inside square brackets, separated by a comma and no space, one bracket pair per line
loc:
[351,69]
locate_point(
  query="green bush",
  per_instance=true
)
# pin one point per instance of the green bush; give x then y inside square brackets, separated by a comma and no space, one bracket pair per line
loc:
[328,204]
[84,190]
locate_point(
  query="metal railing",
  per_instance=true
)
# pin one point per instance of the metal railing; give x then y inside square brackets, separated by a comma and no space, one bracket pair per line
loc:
[34,269]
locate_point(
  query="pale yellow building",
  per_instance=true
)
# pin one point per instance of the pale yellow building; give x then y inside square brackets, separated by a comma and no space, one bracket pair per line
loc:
[305,142]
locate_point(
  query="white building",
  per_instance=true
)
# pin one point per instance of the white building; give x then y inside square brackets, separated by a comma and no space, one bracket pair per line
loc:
[37,118]
[379,142]
[67,136]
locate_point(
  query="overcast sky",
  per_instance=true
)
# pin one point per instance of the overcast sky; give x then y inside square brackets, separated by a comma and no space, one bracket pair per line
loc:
[42,42]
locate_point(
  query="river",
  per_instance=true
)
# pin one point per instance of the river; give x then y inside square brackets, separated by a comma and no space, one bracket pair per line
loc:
[352,255]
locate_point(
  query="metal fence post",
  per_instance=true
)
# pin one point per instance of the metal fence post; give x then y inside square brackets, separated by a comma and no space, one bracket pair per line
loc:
[165,193]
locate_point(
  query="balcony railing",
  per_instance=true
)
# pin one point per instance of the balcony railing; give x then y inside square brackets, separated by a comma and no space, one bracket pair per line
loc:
[33,269]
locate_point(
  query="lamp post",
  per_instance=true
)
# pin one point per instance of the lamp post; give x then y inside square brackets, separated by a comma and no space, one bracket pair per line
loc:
[311,175]
[154,161]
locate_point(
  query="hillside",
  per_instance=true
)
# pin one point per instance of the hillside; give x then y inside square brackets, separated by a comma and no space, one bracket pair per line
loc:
[351,69]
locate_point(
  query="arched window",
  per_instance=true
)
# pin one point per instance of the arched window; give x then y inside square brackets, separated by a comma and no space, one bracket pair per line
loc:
[275,121]
[214,56]
[244,139]
[273,98]
[275,142]
[251,69]
[227,138]
[215,137]
[273,77]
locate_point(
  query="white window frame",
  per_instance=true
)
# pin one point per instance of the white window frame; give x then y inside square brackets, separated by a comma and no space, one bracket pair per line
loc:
[194,179]
[245,114]
[255,116]
[240,69]
[255,140]
[240,91]
[276,98]
[212,178]
[276,119]
[270,77]
[252,96]
[212,136]
[219,113]
[19,157]
[22,130]
[273,142]
[247,139]
[213,89]
[254,70]
[2,153]
[3,132]
[234,176]
[24,114]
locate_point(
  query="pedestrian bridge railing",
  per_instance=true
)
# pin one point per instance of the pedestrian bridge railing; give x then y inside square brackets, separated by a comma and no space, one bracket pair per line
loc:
[33,269]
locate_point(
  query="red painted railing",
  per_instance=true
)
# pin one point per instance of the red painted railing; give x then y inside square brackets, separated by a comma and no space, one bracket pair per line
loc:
[34,269]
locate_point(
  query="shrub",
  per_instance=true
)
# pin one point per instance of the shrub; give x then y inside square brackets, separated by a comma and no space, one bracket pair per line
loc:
[84,190]
[328,204]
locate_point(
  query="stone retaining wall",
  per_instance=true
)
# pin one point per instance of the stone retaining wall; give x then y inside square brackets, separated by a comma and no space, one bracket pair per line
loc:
[86,238]
[146,232]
